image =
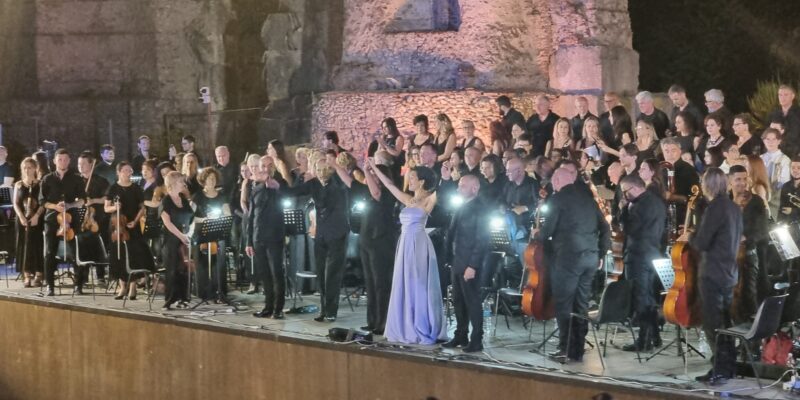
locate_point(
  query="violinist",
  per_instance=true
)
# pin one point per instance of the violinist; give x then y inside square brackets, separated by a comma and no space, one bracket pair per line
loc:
[177,215]
[578,234]
[755,218]
[685,176]
[126,200]
[717,239]
[62,193]
[211,203]
[153,191]
[29,243]
[643,221]
[95,220]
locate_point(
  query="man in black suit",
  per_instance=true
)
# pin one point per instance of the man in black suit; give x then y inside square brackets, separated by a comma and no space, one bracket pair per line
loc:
[610,100]
[106,167]
[578,234]
[510,116]
[643,222]
[466,247]
[266,236]
[144,154]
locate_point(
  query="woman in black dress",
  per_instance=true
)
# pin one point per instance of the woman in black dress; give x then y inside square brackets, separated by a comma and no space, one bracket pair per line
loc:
[177,215]
[210,203]
[189,167]
[153,191]
[128,199]
[29,244]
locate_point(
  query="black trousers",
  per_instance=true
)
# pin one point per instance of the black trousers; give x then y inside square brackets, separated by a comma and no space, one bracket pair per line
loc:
[642,275]
[51,243]
[747,304]
[212,283]
[329,256]
[377,258]
[268,260]
[717,299]
[467,305]
[571,280]
[177,275]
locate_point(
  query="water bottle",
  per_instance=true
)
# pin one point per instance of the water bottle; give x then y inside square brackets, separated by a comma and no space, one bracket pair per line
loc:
[487,316]
[702,344]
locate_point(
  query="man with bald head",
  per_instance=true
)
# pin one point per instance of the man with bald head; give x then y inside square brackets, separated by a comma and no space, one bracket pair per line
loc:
[465,249]
[578,235]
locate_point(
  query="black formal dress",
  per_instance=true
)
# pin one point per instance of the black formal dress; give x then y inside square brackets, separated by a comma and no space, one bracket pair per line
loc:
[578,234]
[177,273]
[213,283]
[55,189]
[30,243]
[643,222]
[467,246]
[266,233]
[717,239]
[132,200]
[577,125]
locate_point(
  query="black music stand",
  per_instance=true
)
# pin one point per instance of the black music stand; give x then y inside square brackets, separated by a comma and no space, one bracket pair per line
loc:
[213,230]
[294,222]
[666,275]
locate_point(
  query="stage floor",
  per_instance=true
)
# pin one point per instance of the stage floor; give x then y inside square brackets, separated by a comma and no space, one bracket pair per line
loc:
[509,348]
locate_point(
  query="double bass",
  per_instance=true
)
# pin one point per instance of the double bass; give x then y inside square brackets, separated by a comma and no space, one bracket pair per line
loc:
[536,299]
[682,304]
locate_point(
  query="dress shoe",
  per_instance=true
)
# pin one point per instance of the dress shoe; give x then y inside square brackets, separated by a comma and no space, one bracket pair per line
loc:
[263,313]
[132,297]
[252,289]
[330,319]
[51,291]
[636,346]
[77,290]
[657,342]
[319,318]
[558,356]
[712,379]
[366,328]
[456,342]
[119,297]
[378,332]
[473,347]
[278,315]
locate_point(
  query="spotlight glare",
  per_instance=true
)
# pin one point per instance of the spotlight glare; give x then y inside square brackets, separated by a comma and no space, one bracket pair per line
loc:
[497,222]
[360,206]
[286,203]
[456,201]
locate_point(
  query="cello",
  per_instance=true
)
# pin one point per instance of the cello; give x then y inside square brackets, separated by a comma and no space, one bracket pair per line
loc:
[536,300]
[682,304]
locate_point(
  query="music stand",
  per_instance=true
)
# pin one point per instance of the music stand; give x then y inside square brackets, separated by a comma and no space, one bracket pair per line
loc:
[784,241]
[499,238]
[210,231]
[294,221]
[6,206]
[666,275]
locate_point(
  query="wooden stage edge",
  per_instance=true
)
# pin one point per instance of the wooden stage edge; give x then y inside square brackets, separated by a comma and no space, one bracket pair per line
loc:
[54,350]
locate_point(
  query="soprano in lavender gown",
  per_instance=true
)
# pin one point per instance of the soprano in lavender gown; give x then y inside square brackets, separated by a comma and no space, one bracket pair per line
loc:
[416,312]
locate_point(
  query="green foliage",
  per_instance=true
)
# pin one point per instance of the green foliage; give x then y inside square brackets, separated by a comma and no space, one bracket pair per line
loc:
[763,100]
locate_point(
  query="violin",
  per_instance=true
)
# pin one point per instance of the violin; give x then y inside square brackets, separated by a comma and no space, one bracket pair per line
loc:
[89,222]
[186,257]
[536,299]
[64,225]
[204,247]
[682,304]
[119,225]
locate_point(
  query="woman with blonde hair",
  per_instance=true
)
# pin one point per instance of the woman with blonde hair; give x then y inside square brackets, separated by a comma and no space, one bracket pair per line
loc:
[562,137]
[177,215]
[29,244]
[445,138]
[189,168]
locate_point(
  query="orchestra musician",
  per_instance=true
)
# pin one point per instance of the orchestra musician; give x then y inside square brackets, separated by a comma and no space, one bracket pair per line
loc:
[755,219]
[143,145]
[208,203]
[125,199]
[95,187]
[62,192]
[177,215]
[685,176]
[265,236]
[578,235]
[717,239]
[29,243]
[643,221]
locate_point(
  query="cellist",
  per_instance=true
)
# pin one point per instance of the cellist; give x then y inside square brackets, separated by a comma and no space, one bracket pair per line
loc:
[717,239]
[643,220]
[62,192]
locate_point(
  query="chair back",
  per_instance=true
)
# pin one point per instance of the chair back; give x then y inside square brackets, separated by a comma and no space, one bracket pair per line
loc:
[615,303]
[768,318]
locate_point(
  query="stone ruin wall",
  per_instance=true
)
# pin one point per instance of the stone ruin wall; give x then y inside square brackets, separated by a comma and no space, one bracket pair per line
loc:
[515,47]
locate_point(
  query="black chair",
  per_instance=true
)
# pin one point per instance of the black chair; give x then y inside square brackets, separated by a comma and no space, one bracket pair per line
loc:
[766,323]
[614,308]
[90,264]
[134,272]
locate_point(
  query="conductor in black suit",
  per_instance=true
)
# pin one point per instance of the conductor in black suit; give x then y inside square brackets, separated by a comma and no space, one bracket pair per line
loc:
[466,245]
[265,238]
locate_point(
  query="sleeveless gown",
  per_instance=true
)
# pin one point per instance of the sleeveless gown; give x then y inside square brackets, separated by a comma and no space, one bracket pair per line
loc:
[416,311]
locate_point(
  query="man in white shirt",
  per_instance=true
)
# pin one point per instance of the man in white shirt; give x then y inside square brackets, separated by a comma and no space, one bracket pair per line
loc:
[778,167]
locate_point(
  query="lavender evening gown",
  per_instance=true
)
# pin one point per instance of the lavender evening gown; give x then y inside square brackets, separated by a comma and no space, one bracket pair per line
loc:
[416,312]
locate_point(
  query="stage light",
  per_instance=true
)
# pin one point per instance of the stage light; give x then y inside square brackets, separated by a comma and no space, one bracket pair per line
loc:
[456,201]
[214,213]
[286,203]
[543,209]
[360,206]
[497,222]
